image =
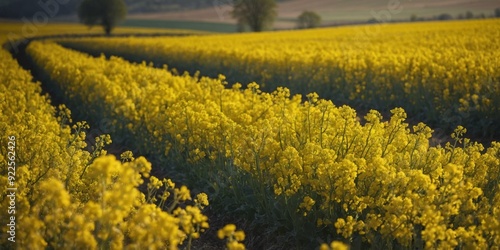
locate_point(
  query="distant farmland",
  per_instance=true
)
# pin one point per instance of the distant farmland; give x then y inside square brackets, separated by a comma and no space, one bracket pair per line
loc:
[181,24]
[334,11]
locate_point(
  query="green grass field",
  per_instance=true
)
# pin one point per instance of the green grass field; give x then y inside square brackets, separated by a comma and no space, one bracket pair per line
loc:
[184,25]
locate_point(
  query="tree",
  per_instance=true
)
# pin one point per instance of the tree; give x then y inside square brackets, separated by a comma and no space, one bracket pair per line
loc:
[309,19]
[469,15]
[257,14]
[413,18]
[497,12]
[107,13]
[444,16]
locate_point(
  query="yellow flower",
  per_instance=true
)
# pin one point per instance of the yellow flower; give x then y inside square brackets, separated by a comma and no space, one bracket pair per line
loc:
[154,183]
[183,193]
[226,231]
[202,199]
[233,237]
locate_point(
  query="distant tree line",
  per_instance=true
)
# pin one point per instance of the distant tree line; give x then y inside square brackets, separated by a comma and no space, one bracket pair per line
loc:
[467,15]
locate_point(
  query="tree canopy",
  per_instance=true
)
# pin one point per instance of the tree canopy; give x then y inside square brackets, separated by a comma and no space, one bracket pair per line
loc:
[106,13]
[257,14]
[309,19]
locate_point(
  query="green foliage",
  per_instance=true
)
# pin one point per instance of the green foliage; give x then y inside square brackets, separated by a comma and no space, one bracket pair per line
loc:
[309,19]
[469,14]
[497,12]
[257,14]
[444,16]
[104,12]
[413,18]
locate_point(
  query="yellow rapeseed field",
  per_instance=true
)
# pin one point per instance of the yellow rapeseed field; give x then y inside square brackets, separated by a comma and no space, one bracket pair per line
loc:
[55,194]
[379,182]
[443,73]
[13,29]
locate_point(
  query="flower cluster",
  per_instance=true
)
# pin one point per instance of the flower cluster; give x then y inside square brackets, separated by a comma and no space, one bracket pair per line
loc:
[335,245]
[232,237]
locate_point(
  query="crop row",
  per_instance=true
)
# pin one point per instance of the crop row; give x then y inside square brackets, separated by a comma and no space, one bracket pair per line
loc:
[445,74]
[57,195]
[375,182]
